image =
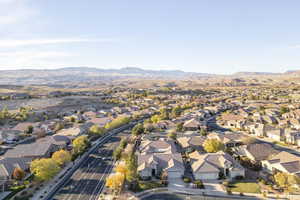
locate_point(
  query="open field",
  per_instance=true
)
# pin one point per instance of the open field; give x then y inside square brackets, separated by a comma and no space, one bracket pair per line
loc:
[40,104]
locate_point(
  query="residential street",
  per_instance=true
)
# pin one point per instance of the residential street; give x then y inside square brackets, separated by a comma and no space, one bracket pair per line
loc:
[89,179]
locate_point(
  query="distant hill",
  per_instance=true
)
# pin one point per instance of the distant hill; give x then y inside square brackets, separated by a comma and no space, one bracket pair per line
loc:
[86,74]
[293,72]
[90,75]
[253,73]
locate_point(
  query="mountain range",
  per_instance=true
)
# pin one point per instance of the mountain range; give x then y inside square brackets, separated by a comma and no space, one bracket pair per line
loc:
[88,74]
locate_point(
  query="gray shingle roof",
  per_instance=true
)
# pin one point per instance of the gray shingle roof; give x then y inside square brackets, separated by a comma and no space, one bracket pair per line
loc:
[7,165]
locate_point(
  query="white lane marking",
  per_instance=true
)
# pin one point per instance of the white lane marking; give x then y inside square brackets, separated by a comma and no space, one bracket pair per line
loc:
[101,188]
[92,175]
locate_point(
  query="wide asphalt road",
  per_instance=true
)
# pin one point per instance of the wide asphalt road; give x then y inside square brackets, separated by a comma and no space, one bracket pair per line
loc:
[88,180]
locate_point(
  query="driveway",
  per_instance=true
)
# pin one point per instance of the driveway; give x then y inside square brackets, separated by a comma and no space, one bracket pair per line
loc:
[175,183]
[213,185]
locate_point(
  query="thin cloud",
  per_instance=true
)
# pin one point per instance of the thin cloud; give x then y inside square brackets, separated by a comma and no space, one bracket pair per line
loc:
[31,58]
[14,12]
[34,54]
[34,42]
[297,46]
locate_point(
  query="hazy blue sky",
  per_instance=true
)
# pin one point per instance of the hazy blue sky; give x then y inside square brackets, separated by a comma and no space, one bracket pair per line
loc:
[215,36]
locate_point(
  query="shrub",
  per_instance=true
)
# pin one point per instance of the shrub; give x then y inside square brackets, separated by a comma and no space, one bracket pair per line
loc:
[199,184]
[186,180]
[225,183]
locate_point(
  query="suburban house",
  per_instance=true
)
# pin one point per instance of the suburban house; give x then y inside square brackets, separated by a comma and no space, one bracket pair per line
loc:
[295,123]
[233,121]
[258,129]
[275,133]
[158,146]
[43,147]
[212,166]
[269,119]
[255,152]
[292,137]
[150,165]
[190,143]
[8,165]
[165,124]
[283,162]
[229,139]
[99,121]
[9,136]
[292,114]
[23,126]
[70,132]
[193,125]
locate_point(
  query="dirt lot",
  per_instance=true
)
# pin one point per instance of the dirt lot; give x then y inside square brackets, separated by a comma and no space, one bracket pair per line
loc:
[70,102]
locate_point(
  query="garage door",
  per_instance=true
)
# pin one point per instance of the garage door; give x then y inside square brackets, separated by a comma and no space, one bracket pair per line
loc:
[207,176]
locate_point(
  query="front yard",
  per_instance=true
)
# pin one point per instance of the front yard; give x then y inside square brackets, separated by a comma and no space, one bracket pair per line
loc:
[147,185]
[244,187]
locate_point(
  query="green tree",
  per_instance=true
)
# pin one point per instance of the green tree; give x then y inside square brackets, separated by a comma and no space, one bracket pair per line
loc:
[44,169]
[119,121]
[179,127]
[29,129]
[283,110]
[138,129]
[4,114]
[176,111]
[172,134]
[213,145]
[131,173]
[203,132]
[117,153]
[96,130]
[164,114]
[72,119]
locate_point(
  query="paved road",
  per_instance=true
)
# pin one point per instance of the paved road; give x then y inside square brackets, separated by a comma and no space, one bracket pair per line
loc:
[89,179]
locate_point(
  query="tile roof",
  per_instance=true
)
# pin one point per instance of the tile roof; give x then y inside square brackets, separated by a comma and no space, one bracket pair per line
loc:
[209,162]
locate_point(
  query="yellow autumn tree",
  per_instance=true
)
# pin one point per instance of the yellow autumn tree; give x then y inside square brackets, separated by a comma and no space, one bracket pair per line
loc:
[61,157]
[121,168]
[44,169]
[115,181]
[213,145]
[80,144]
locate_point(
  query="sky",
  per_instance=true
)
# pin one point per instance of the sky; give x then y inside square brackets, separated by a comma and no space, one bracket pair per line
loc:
[208,36]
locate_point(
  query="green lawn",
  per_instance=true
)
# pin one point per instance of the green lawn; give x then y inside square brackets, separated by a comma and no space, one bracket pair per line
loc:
[147,185]
[244,187]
